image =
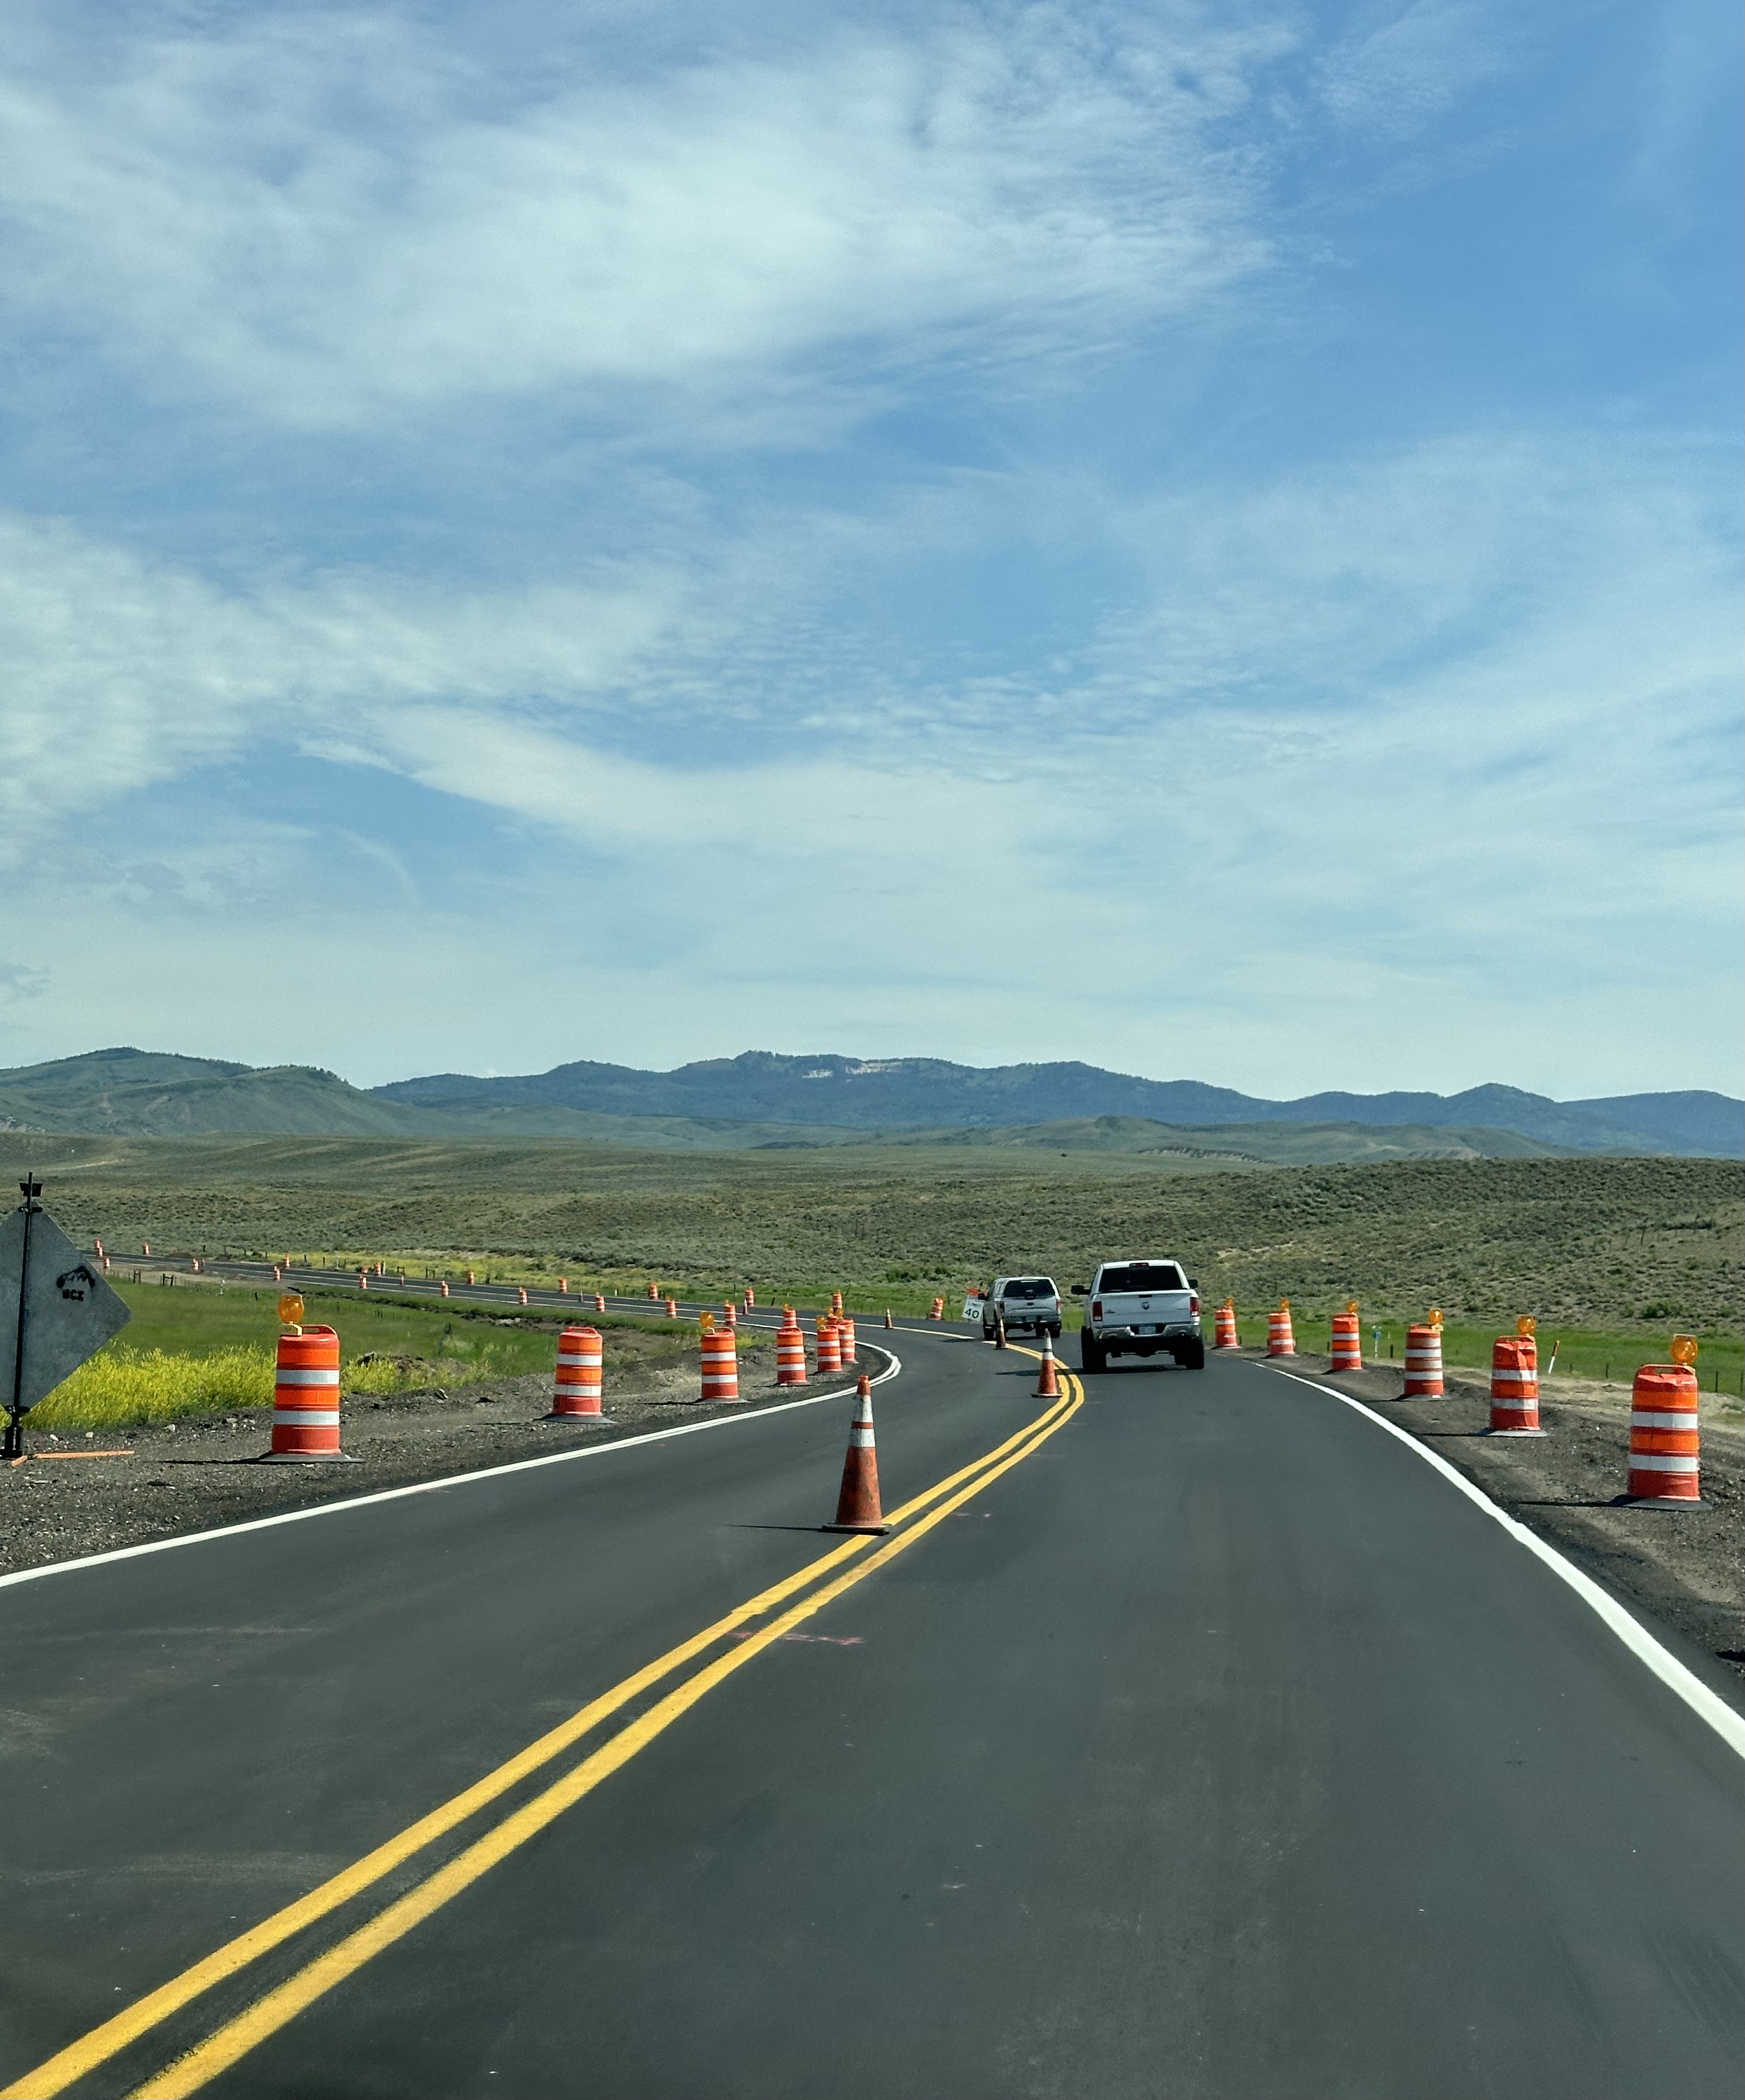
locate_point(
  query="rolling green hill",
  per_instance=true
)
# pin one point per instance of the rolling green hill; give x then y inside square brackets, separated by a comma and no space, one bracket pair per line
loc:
[141,1093]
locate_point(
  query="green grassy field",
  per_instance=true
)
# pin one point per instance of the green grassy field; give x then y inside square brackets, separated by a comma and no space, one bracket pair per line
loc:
[1619,1252]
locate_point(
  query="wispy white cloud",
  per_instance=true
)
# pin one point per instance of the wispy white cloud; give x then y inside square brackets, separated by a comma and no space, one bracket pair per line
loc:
[1530,573]
[1476,694]
[1364,724]
[126,671]
[374,230]
[1403,67]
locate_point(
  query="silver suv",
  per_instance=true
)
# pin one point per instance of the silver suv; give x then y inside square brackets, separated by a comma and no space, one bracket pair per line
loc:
[1027,1305]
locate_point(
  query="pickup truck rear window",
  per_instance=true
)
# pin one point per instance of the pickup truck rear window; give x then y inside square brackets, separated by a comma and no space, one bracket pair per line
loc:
[1142,1275]
[1028,1287]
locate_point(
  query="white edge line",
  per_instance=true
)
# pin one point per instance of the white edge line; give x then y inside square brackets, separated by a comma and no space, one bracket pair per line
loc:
[448,1481]
[1676,1676]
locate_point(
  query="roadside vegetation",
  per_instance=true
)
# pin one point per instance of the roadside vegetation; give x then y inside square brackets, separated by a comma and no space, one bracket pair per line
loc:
[1612,1256]
[208,1348]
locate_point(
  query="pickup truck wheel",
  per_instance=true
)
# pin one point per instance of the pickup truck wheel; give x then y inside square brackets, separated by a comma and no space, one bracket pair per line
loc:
[1090,1358]
[1192,1358]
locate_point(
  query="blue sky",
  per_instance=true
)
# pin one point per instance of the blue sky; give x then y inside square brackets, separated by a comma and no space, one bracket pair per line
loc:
[1204,539]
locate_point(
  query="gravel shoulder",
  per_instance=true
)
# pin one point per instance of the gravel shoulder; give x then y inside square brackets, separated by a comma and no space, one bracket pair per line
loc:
[1684,1568]
[203,1472]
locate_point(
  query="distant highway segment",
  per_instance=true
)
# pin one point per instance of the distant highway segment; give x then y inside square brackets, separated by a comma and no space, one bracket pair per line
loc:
[1191,1736]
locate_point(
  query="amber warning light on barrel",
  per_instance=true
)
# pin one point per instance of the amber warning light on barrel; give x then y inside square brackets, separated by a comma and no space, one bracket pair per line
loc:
[291,1310]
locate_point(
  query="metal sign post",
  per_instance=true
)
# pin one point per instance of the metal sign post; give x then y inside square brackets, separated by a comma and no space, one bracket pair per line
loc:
[56,1305]
[14,1445]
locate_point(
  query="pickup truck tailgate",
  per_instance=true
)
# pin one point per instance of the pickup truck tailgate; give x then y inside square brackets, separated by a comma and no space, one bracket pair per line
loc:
[1144,1313]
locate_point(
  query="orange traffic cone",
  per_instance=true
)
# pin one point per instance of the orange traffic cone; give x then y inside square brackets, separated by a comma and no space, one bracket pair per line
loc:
[305,1400]
[1515,1382]
[1665,1433]
[720,1366]
[887,1316]
[1424,1358]
[576,1388]
[829,1348]
[790,1350]
[858,1505]
[1347,1352]
[1047,1379]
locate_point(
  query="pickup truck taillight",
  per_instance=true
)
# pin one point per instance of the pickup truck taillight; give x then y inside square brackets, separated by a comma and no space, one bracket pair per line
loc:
[1097,1308]
[1194,1303]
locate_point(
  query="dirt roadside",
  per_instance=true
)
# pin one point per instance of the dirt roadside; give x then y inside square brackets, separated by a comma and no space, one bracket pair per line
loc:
[1685,1568]
[202,1473]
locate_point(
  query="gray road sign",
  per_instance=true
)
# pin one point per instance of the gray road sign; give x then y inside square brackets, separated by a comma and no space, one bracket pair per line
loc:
[70,1311]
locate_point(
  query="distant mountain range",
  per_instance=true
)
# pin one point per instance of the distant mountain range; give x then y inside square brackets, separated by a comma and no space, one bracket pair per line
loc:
[760,1098]
[891,1093]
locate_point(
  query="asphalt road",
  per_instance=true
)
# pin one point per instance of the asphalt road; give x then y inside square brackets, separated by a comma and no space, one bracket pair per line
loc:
[1217,1746]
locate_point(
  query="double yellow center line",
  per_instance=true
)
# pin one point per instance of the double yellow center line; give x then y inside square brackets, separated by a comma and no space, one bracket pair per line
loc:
[810,1590]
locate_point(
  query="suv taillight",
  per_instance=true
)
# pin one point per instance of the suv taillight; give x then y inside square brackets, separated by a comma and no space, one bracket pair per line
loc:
[1097,1308]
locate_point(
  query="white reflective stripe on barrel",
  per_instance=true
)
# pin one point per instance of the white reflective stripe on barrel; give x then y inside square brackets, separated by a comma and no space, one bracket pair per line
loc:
[286,1376]
[307,1417]
[1662,1461]
[1503,1377]
[1688,1419]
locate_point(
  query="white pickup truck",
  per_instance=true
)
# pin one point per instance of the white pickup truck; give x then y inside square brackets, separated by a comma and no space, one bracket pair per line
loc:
[1027,1304]
[1140,1309]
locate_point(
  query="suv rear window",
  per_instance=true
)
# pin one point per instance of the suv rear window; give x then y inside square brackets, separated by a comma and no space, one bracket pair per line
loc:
[1142,1275]
[1029,1286]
